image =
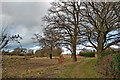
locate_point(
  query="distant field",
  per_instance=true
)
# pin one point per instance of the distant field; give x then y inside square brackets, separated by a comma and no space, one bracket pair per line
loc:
[43,67]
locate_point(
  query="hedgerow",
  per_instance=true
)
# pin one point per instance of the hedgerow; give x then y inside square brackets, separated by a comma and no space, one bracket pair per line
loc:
[87,54]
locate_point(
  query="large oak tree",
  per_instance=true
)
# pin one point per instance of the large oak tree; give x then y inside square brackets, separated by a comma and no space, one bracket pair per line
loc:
[65,17]
[102,24]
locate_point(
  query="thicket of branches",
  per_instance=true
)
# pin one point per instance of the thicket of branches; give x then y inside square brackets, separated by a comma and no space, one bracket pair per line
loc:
[5,38]
[49,40]
[102,24]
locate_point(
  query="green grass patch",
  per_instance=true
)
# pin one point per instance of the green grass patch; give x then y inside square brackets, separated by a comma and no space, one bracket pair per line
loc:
[89,69]
[82,69]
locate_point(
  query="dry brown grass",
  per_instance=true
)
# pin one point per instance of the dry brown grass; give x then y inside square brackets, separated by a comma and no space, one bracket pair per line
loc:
[13,65]
[21,66]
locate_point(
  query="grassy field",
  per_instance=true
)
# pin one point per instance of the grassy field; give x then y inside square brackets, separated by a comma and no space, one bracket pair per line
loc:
[82,69]
[36,67]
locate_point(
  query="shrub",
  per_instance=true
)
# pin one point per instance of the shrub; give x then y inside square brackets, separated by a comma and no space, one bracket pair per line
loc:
[46,52]
[29,54]
[118,51]
[116,60]
[21,54]
[105,53]
[110,66]
[87,54]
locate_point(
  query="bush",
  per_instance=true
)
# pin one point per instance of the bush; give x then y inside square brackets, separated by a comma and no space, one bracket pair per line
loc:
[116,60]
[87,54]
[110,66]
[105,53]
[21,54]
[29,54]
[118,51]
[45,52]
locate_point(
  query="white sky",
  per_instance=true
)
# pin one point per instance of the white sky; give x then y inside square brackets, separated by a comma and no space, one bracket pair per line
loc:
[27,0]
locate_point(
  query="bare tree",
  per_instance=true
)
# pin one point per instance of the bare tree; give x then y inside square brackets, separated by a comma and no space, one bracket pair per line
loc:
[116,8]
[65,17]
[50,39]
[101,23]
[5,38]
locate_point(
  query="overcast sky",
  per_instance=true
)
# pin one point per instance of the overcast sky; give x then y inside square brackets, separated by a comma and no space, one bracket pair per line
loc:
[24,18]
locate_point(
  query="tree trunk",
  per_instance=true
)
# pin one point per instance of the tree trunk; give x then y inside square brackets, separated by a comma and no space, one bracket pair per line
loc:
[100,45]
[99,51]
[51,52]
[74,54]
